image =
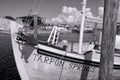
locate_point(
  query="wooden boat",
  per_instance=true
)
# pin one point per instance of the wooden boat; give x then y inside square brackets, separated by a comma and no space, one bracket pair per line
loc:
[43,61]
[37,60]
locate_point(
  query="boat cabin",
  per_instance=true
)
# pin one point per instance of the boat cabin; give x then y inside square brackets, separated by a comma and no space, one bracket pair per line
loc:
[29,20]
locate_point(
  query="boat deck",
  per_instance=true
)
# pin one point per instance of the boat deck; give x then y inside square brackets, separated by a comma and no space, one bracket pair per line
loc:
[75,47]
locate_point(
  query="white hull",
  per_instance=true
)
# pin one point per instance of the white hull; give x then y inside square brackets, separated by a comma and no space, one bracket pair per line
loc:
[43,62]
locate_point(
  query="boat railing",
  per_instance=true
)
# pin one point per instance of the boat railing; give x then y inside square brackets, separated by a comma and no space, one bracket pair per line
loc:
[54,36]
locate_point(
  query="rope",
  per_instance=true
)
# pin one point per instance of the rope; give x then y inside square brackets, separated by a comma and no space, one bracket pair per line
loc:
[30,21]
[62,67]
[61,73]
[41,1]
[29,14]
[30,10]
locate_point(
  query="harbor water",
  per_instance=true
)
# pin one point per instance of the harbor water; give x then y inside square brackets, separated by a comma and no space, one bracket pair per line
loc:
[8,69]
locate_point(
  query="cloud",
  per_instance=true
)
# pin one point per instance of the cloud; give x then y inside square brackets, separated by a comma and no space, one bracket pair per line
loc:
[70,15]
[47,21]
[88,12]
[57,20]
[100,12]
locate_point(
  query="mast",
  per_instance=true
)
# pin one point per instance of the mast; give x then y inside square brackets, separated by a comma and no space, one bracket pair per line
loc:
[82,26]
[35,26]
[108,39]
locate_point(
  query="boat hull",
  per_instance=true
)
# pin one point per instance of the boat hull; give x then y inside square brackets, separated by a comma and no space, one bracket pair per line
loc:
[43,62]
[42,65]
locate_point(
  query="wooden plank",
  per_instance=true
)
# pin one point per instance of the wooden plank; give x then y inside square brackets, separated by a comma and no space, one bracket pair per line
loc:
[94,19]
[108,39]
[95,33]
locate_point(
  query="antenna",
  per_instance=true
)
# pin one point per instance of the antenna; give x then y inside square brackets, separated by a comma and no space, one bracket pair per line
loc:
[41,1]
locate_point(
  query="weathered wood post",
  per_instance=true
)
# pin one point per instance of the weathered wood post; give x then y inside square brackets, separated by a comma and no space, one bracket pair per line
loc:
[95,33]
[108,39]
[72,46]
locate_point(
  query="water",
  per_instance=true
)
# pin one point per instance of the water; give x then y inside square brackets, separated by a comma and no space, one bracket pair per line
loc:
[8,69]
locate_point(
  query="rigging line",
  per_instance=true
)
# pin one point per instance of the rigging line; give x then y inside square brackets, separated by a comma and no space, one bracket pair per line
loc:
[30,21]
[35,1]
[30,11]
[33,5]
[61,71]
[41,1]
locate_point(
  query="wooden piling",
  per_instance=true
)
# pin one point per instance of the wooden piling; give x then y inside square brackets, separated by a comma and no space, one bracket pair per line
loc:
[95,33]
[108,39]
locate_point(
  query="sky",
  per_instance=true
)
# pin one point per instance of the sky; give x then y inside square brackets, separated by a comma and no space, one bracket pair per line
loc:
[50,9]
